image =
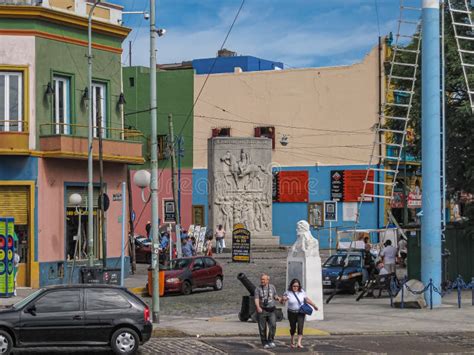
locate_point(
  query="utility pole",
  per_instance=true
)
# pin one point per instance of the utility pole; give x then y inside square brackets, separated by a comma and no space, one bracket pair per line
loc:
[90,141]
[154,168]
[174,176]
[431,148]
[101,216]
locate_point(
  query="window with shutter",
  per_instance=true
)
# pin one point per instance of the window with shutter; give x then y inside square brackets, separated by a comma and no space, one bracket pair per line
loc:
[268,132]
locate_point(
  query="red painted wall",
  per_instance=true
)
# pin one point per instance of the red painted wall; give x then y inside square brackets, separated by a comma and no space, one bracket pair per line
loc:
[165,192]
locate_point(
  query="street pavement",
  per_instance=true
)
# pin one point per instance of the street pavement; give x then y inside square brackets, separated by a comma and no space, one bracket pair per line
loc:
[369,325]
[459,343]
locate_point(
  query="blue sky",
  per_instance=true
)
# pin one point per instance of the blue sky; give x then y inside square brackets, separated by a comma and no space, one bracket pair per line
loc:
[300,33]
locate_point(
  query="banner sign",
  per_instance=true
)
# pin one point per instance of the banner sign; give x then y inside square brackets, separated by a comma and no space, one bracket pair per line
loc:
[240,244]
[348,185]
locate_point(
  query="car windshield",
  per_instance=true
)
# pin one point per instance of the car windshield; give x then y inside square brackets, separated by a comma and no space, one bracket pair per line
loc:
[339,260]
[179,264]
[27,299]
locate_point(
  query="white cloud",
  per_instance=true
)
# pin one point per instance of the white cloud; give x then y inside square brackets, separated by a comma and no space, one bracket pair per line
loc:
[333,37]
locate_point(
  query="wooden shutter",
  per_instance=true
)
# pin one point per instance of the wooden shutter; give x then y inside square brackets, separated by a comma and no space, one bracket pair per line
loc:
[14,202]
[257,132]
[215,132]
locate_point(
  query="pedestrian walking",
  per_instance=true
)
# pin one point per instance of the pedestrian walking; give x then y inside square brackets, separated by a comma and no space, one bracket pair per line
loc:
[220,235]
[389,254]
[265,297]
[403,250]
[295,296]
[16,261]
[209,245]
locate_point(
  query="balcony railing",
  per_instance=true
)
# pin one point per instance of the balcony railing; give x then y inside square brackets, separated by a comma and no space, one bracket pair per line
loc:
[78,130]
[13,126]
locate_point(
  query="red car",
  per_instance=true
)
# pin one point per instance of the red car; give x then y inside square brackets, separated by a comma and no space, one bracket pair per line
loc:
[185,274]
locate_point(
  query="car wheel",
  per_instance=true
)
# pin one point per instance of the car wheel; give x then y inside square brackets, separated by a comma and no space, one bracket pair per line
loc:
[6,343]
[218,284]
[125,341]
[355,287]
[186,289]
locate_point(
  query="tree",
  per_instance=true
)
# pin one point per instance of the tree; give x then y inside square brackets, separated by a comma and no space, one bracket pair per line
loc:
[459,116]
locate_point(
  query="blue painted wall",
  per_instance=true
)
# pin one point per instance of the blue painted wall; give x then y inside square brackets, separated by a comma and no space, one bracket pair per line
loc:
[18,168]
[227,64]
[14,167]
[200,190]
[286,215]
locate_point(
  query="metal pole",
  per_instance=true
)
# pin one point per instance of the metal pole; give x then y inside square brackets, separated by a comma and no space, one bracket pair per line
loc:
[132,227]
[175,186]
[124,211]
[90,140]
[101,215]
[154,167]
[129,53]
[431,149]
[443,117]
[330,238]
[180,141]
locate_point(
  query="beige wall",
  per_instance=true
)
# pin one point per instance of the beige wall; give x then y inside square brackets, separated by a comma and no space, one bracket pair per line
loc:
[326,112]
[20,51]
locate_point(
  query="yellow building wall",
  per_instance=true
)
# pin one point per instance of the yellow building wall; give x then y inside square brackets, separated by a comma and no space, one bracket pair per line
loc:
[327,113]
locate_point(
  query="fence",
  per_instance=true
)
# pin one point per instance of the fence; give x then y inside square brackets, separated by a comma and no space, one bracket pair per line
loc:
[459,285]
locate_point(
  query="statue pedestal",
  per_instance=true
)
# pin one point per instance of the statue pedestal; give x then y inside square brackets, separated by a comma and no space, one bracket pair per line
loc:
[307,268]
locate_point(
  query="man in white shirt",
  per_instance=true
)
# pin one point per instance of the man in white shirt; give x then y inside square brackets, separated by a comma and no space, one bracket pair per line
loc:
[389,254]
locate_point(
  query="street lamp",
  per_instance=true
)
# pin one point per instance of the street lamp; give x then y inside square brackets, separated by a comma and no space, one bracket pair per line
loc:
[142,179]
[76,200]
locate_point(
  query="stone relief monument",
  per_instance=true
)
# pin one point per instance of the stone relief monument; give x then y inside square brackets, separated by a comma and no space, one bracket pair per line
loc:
[240,185]
[304,263]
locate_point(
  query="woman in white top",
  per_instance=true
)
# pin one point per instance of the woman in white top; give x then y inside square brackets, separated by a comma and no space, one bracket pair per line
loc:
[295,296]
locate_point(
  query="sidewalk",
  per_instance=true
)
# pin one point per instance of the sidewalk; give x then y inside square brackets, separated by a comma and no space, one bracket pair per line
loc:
[343,316]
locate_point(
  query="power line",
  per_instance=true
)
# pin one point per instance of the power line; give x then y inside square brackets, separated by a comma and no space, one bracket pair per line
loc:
[377,14]
[280,125]
[202,88]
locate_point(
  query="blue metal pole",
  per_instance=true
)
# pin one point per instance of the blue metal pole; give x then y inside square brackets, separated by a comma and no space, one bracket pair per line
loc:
[431,148]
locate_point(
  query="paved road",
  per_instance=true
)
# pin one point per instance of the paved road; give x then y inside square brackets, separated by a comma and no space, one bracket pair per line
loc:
[360,344]
[209,303]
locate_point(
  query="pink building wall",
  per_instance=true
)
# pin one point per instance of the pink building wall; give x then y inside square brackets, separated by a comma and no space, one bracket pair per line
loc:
[165,192]
[52,174]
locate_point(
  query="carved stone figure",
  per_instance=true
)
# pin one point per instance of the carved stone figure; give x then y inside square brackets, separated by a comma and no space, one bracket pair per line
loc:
[305,241]
[241,187]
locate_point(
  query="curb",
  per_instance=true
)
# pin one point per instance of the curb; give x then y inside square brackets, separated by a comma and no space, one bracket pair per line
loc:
[139,291]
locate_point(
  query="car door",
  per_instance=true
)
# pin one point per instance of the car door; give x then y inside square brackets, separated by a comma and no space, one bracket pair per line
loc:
[211,269]
[199,273]
[104,307]
[56,317]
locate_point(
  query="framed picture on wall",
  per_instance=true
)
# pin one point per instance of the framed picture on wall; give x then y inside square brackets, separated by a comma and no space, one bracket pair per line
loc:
[316,214]
[198,215]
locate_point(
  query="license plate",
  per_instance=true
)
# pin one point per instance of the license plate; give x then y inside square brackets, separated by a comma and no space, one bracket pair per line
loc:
[326,283]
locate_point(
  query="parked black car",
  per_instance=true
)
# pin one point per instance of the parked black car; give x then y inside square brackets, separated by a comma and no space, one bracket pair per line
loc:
[72,315]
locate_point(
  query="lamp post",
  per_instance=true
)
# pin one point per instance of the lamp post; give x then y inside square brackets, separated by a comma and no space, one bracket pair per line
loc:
[90,140]
[76,200]
[154,161]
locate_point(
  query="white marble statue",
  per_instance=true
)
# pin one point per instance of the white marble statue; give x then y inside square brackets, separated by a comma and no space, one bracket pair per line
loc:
[304,264]
[305,242]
